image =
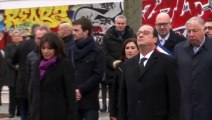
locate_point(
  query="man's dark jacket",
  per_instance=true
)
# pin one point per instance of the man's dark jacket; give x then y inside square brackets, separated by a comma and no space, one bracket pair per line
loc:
[89,68]
[112,45]
[68,43]
[195,76]
[173,40]
[20,59]
[153,94]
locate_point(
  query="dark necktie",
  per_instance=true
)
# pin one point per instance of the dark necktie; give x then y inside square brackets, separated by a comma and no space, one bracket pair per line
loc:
[141,64]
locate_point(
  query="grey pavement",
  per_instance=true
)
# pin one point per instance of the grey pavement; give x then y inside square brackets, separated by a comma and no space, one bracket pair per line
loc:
[4,107]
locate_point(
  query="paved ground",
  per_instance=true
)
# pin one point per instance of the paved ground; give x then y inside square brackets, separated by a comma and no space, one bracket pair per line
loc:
[4,107]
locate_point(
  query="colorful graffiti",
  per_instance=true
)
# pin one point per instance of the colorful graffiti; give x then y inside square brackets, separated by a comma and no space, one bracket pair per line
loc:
[179,10]
[23,19]
[2,40]
[102,16]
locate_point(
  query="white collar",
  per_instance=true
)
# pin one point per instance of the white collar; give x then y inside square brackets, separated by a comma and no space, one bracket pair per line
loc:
[166,38]
[147,56]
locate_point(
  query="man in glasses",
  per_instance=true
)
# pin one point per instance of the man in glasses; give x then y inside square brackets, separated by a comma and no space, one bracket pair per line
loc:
[150,88]
[167,38]
[208,28]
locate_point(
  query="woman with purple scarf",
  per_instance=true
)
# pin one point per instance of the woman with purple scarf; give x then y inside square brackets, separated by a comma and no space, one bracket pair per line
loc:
[52,94]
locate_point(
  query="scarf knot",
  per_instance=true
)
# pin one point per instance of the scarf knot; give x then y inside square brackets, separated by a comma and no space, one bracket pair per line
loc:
[46,64]
[83,47]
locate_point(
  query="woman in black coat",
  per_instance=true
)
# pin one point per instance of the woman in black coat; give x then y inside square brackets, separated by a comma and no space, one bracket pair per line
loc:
[52,95]
[129,50]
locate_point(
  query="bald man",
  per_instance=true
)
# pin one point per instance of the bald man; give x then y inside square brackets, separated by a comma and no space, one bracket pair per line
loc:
[65,33]
[167,38]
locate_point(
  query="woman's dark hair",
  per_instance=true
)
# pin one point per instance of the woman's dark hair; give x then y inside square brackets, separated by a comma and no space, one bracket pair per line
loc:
[54,42]
[123,56]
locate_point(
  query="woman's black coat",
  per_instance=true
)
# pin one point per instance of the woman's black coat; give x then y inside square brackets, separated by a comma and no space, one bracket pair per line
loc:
[53,96]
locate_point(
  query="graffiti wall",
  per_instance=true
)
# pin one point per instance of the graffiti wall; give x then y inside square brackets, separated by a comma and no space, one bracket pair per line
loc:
[102,16]
[179,10]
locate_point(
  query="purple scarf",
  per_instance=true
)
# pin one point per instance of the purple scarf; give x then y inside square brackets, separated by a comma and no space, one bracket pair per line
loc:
[46,64]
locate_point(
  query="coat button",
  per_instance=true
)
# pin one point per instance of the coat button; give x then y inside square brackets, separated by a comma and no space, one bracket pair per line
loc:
[139,101]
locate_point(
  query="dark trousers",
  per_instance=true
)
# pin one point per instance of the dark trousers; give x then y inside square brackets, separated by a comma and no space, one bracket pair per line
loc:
[0,94]
[24,109]
[104,95]
[14,103]
[110,95]
[88,115]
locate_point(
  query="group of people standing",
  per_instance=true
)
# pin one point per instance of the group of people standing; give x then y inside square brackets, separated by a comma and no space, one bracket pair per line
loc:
[58,74]
[154,74]
[169,78]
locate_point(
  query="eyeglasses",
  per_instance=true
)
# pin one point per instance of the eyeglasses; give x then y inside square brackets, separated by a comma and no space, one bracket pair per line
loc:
[162,24]
[144,32]
[208,27]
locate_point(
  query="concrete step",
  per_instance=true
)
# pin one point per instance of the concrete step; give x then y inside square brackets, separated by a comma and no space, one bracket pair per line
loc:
[5,95]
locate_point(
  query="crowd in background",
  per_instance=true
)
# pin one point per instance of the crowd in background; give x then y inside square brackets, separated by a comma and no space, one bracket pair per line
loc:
[154,74]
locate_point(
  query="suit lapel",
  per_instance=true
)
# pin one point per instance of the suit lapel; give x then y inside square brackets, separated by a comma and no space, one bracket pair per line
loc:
[189,48]
[135,65]
[203,47]
[150,62]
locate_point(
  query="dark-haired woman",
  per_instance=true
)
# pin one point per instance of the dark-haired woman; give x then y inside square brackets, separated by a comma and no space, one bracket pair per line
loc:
[52,94]
[129,50]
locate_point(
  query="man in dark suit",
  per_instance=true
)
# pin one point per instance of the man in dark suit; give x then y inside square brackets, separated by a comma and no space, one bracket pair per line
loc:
[89,68]
[195,72]
[166,36]
[150,88]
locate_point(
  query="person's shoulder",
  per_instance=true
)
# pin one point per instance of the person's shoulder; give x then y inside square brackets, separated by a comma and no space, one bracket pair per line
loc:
[208,43]
[98,47]
[182,44]
[161,56]
[177,36]
[131,60]
[28,42]
[65,62]
[130,32]
[129,29]
[31,54]
[9,44]
[209,40]
[110,31]
[97,51]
